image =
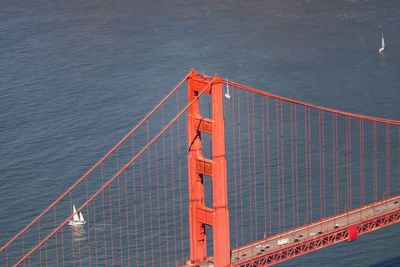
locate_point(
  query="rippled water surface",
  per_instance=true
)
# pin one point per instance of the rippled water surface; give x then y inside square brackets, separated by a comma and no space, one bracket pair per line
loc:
[76,76]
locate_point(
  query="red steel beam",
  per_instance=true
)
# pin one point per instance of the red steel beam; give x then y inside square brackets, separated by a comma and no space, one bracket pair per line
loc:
[204,166]
[203,124]
[321,241]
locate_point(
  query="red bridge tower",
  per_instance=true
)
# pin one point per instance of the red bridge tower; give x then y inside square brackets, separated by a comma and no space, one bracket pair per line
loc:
[199,215]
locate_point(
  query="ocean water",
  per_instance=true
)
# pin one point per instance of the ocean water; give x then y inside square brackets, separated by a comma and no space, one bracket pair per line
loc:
[76,76]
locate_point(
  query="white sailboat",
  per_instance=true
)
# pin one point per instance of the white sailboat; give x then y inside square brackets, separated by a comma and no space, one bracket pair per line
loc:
[76,220]
[227,95]
[382,45]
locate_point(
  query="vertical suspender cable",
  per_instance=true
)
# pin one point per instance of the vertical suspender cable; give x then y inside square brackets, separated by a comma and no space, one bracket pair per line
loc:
[111,226]
[323,161]
[45,252]
[291,146]
[120,222]
[143,221]
[320,163]
[104,215]
[88,220]
[180,178]
[361,160]
[283,172]
[134,202]
[173,192]
[234,166]
[278,166]
[263,149]
[337,169]
[249,166]
[269,173]
[62,247]
[306,158]
[150,202]
[72,237]
[127,219]
[347,161]
[95,232]
[363,163]
[309,162]
[254,171]
[387,161]
[297,174]
[350,160]
[240,169]
[375,162]
[165,187]
[158,205]
[55,226]
[334,163]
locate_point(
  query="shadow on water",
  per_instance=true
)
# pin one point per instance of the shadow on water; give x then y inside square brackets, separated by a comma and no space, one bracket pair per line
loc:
[391,262]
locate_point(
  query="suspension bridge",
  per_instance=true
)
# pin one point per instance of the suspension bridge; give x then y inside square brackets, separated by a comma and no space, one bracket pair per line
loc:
[250,179]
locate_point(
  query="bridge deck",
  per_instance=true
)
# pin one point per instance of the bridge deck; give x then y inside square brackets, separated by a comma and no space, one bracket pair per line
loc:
[300,235]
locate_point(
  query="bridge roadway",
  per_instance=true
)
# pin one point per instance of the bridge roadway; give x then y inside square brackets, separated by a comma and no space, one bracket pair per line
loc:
[332,224]
[338,223]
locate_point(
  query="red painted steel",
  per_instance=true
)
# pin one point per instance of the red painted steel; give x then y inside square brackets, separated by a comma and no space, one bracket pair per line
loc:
[370,118]
[138,156]
[323,240]
[155,235]
[219,180]
[95,166]
[197,229]
[353,233]
[199,215]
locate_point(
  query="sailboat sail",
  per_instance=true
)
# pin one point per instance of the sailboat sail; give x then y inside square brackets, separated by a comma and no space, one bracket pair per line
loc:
[81,217]
[382,45]
[76,218]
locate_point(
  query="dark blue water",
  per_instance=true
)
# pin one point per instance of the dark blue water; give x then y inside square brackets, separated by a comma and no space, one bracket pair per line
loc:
[76,76]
